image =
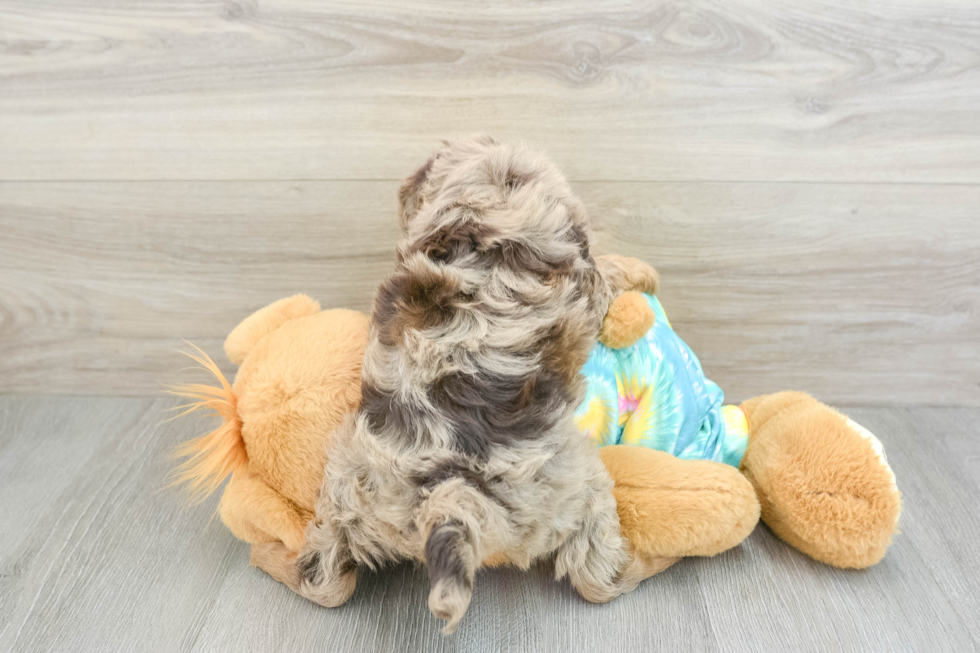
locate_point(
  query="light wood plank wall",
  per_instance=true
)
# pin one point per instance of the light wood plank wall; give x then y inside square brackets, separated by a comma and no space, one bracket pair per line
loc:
[806,176]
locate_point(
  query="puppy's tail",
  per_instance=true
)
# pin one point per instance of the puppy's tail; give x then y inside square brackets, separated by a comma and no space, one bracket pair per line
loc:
[451,558]
[212,457]
[459,519]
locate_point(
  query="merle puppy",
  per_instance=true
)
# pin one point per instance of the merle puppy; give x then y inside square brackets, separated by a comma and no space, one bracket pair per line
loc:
[464,447]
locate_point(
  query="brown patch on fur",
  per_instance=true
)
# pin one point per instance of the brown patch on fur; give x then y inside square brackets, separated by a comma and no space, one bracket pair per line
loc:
[565,350]
[455,241]
[519,256]
[455,470]
[486,410]
[413,301]
[385,413]
[282,564]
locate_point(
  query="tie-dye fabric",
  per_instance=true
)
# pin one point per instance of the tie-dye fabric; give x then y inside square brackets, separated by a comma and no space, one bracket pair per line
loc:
[654,394]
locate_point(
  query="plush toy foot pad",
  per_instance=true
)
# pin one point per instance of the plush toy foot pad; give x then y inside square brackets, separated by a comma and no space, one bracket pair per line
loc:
[822,480]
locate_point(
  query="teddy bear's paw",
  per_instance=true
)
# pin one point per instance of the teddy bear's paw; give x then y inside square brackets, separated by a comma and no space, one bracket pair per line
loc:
[876,446]
[652,565]
[276,560]
[823,481]
[712,507]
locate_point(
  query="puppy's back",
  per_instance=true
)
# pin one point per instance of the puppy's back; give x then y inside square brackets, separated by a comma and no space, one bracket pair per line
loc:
[472,371]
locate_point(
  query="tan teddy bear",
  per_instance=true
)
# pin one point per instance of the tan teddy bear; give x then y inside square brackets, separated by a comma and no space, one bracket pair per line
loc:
[820,480]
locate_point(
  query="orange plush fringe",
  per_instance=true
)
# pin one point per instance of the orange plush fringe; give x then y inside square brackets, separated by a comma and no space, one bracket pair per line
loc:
[212,457]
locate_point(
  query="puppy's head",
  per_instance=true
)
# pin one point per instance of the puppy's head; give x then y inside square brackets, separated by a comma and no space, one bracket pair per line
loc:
[494,305]
[493,235]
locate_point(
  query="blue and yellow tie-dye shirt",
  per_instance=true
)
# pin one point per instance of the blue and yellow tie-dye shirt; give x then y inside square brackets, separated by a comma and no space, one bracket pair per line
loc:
[654,394]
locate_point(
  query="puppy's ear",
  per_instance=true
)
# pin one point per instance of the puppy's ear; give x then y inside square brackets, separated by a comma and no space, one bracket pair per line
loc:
[410,194]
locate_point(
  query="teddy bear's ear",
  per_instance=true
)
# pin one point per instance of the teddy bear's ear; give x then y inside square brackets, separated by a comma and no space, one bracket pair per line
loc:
[628,319]
[263,322]
[629,316]
[624,273]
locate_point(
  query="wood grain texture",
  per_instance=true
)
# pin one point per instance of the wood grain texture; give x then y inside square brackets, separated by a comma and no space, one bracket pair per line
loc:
[856,293]
[749,90]
[806,176]
[95,557]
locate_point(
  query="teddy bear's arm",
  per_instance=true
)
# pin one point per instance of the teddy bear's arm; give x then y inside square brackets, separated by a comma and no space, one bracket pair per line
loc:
[711,507]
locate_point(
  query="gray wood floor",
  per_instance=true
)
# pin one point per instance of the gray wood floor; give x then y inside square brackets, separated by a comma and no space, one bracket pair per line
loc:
[94,556]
